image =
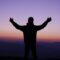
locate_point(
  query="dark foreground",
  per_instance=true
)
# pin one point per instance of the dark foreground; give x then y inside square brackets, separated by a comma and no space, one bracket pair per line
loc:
[15,51]
[21,58]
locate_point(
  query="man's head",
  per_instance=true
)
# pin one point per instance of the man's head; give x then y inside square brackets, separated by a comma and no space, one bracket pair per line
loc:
[30,20]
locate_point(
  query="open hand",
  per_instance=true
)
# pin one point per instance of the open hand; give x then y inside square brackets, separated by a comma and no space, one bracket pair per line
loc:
[49,19]
[11,19]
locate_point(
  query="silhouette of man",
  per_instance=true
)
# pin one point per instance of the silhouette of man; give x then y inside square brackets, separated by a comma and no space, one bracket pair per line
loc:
[30,31]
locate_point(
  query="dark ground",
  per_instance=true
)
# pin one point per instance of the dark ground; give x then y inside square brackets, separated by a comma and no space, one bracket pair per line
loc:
[21,58]
[15,50]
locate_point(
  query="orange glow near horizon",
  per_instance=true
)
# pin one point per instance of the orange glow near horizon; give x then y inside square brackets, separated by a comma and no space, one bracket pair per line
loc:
[11,35]
[19,35]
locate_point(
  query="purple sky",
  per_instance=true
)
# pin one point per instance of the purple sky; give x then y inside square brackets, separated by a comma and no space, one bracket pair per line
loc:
[20,10]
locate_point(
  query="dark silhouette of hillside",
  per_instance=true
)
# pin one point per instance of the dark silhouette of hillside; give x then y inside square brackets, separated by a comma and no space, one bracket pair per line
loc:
[30,31]
[15,50]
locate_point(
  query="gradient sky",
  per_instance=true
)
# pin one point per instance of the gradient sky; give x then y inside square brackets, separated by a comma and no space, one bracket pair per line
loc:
[20,10]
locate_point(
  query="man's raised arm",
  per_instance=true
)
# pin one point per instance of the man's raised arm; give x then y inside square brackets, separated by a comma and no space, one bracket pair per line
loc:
[16,25]
[44,24]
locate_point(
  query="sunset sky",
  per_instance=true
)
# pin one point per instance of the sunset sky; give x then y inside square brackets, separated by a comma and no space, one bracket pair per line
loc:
[40,10]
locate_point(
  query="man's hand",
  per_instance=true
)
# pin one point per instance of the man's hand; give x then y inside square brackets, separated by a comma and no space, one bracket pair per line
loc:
[11,19]
[49,19]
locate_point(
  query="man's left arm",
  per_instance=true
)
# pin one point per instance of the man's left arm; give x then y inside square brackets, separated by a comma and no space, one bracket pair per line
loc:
[44,24]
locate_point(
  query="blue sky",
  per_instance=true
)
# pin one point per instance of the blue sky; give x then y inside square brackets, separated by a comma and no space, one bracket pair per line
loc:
[20,10]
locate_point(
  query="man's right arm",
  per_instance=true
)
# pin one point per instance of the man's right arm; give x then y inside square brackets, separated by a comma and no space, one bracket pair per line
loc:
[16,25]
